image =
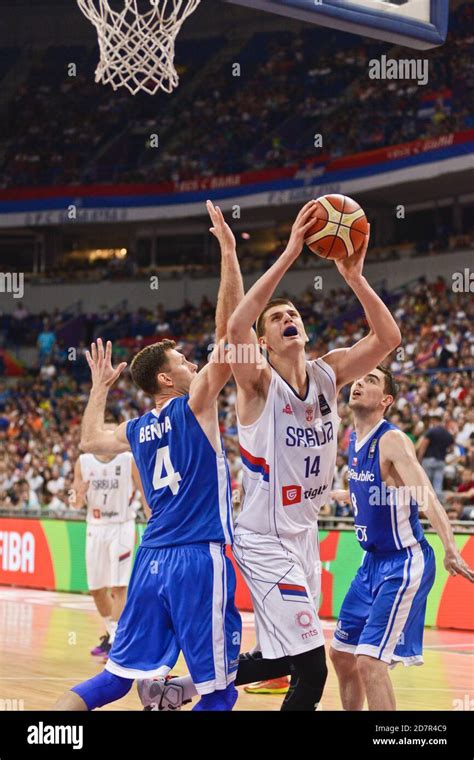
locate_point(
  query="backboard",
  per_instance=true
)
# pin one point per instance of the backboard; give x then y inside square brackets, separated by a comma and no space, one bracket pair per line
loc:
[419,24]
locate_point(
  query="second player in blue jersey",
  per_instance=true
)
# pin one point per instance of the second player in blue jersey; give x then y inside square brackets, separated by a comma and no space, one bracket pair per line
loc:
[382,617]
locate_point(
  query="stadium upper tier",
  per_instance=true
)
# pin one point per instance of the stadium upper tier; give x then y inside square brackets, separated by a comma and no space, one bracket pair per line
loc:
[237,123]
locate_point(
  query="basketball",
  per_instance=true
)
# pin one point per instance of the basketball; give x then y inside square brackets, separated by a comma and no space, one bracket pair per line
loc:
[340,227]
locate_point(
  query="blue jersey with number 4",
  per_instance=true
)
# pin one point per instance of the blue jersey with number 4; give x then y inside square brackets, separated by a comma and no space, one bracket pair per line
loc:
[186,483]
[385,518]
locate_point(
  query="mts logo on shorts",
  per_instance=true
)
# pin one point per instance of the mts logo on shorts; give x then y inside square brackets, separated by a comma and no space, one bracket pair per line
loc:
[291,495]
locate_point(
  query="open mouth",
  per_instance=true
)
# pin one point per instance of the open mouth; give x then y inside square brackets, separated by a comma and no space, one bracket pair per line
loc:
[290,331]
[356,394]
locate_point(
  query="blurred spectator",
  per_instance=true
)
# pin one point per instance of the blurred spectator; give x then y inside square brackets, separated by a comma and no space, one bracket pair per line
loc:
[46,341]
[432,449]
[24,498]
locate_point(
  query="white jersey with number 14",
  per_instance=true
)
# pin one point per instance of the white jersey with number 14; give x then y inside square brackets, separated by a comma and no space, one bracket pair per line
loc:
[289,455]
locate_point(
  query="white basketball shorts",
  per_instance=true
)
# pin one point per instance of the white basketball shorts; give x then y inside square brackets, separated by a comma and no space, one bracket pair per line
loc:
[284,579]
[109,554]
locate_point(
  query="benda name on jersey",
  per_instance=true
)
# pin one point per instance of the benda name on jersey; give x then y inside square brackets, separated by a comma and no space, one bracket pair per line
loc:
[157,430]
[311,436]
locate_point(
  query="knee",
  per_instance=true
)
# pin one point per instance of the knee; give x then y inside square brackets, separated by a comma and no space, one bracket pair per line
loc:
[370,668]
[97,592]
[309,673]
[344,662]
[102,689]
[119,591]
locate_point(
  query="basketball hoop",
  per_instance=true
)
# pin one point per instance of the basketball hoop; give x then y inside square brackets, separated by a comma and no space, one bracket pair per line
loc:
[137,46]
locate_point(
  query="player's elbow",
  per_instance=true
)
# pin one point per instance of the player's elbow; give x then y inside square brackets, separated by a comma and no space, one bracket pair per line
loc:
[232,329]
[236,331]
[86,445]
[390,339]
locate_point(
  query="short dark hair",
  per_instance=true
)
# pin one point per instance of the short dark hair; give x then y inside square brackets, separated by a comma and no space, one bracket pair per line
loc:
[148,363]
[260,326]
[391,386]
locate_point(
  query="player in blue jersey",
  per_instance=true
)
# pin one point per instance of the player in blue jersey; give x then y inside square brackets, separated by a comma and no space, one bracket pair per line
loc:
[181,593]
[382,616]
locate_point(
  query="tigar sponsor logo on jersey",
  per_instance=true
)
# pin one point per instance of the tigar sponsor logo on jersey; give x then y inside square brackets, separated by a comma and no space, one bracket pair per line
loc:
[310,437]
[98,513]
[291,495]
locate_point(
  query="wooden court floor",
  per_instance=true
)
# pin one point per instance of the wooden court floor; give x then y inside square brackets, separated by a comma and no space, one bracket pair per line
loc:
[45,638]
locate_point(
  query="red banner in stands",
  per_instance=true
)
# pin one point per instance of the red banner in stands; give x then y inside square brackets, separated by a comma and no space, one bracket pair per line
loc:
[313,166]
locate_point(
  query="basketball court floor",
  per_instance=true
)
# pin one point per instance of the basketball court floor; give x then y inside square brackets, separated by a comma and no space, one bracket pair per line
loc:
[45,638]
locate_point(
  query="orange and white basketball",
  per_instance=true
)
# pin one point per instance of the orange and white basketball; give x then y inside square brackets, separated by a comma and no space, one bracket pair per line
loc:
[340,227]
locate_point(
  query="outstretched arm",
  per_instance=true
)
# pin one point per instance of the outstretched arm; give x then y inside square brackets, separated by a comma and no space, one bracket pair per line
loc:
[396,447]
[94,437]
[248,372]
[383,337]
[208,383]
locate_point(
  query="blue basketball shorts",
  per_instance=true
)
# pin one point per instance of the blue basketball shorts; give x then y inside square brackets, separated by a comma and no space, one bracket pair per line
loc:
[180,598]
[383,613]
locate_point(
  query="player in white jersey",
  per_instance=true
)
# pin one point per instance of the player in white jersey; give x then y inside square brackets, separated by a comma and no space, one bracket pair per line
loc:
[107,486]
[287,423]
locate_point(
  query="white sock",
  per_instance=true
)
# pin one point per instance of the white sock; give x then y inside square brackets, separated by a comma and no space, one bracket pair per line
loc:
[189,689]
[111,630]
[110,627]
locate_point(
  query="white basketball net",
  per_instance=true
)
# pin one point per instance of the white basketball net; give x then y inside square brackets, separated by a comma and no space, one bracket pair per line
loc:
[136,46]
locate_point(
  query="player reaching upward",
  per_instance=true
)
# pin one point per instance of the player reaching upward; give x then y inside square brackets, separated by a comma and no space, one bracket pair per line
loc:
[383,614]
[106,485]
[181,594]
[287,424]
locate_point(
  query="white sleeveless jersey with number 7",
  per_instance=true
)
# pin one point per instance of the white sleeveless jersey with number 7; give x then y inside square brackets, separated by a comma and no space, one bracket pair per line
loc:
[110,488]
[289,455]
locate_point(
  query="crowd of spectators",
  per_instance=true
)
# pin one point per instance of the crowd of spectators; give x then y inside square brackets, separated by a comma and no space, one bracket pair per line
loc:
[40,413]
[291,86]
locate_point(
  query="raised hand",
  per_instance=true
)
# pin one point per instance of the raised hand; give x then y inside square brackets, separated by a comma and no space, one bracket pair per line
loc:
[351,267]
[100,363]
[220,229]
[301,226]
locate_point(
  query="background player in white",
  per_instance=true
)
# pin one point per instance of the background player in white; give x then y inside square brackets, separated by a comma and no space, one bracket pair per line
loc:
[382,616]
[287,423]
[106,485]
